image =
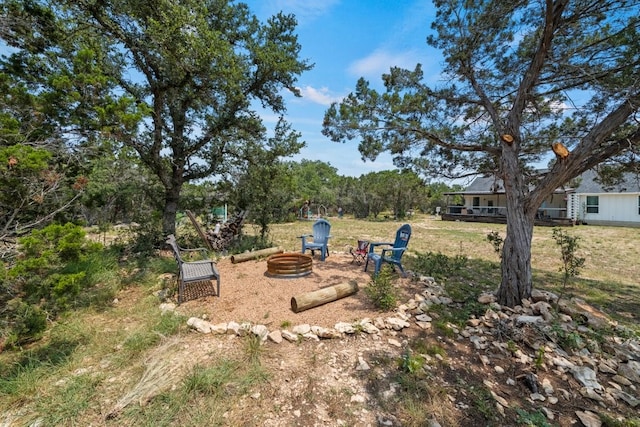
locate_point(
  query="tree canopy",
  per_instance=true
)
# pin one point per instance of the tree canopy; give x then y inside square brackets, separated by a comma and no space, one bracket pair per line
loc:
[517,78]
[177,81]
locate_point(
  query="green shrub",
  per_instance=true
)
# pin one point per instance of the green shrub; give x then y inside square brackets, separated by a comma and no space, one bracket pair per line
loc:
[438,265]
[381,291]
[55,265]
[26,322]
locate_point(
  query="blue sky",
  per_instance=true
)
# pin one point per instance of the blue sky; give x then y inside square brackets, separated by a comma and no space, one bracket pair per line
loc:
[346,40]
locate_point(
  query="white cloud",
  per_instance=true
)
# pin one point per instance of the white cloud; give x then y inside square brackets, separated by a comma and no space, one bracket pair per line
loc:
[305,10]
[380,61]
[320,96]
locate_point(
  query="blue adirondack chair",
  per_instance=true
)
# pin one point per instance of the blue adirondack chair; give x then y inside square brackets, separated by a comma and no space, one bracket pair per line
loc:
[320,236]
[392,254]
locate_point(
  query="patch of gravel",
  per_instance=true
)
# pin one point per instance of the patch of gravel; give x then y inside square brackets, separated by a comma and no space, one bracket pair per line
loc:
[249,295]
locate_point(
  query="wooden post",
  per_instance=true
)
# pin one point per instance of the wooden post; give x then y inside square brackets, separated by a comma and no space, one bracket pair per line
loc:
[199,229]
[255,254]
[313,299]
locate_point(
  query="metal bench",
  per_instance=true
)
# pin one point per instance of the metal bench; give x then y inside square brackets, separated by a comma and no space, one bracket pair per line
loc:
[193,272]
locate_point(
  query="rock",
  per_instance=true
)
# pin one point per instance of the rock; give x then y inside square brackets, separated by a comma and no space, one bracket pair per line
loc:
[310,336]
[621,380]
[275,336]
[362,365]
[547,387]
[480,343]
[219,329]
[501,400]
[345,328]
[233,328]
[396,324]
[486,298]
[289,336]
[199,325]
[424,325]
[630,371]
[368,327]
[586,376]
[167,307]
[358,398]
[394,343]
[325,333]
[529,319]
[626,397]
[423,318]
[548,413]
[589,419]
[260,331]
[301,329]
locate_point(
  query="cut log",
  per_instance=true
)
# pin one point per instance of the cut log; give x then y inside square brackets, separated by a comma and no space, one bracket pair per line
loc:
[322,296]
[255,254]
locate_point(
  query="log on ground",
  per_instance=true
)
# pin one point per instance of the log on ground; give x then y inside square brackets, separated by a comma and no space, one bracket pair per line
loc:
[322,296]
[255,254]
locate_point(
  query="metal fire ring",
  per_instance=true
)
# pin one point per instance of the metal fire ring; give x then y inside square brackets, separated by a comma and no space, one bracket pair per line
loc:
[289,265]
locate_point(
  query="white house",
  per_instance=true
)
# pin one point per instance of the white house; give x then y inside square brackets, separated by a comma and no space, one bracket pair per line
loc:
[484,200]
[593,203]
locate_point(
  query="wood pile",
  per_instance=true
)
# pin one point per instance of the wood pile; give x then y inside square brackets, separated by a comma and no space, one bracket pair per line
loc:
[224,234]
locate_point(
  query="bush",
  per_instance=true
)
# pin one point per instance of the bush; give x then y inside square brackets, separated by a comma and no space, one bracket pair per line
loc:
[439,265]
[381,291]
[55,266]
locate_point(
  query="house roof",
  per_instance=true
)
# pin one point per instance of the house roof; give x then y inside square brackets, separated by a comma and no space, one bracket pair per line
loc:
[629,184]
[588,185]
[489,185]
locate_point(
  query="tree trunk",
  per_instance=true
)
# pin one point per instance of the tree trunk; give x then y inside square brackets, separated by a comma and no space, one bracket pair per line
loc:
[516,259]
[516,281]
[171,200]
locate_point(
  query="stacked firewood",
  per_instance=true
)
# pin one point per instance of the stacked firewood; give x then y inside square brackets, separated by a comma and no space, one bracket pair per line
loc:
[223,235]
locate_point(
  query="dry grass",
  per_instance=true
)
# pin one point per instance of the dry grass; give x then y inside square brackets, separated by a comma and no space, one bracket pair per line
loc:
[611,252]
[609,278]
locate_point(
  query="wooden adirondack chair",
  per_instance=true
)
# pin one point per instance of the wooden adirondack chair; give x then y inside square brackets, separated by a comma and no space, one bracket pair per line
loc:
[320,236]
[392,254]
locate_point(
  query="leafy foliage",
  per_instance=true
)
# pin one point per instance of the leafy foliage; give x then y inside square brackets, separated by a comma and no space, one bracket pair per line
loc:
[381,290]
[174,82]
[438,265]
[496,241]
[571,263]
[56,265]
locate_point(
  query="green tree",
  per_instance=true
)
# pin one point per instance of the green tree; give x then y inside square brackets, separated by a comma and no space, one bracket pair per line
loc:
[177,81]
[265,186]
[315,181]
[34,191]
[518,76]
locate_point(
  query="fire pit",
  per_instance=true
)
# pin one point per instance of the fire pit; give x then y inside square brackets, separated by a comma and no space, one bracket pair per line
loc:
[289,265]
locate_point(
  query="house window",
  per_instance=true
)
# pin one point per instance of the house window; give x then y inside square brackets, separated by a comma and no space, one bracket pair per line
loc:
[592,204]
[638,205]
[476,202]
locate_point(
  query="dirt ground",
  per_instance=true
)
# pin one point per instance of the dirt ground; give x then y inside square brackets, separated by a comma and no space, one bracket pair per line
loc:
[321,375]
